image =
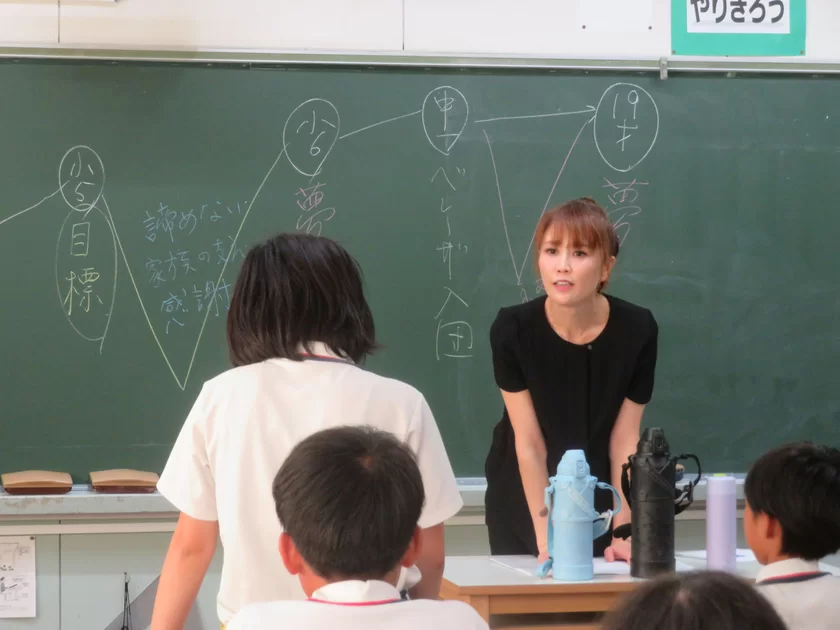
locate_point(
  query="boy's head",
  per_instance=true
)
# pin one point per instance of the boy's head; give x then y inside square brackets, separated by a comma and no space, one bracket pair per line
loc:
[349,500]
[793,503]
[698,600]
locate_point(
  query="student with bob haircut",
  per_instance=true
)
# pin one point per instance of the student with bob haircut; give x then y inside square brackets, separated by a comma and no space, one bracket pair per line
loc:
[297,330]
[348,500]
[575,368]
[704,600]
[791,522]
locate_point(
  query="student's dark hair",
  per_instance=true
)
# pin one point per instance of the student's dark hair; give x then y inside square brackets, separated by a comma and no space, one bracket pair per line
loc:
[799,485]
[350,499]
[701,600]
[295,289]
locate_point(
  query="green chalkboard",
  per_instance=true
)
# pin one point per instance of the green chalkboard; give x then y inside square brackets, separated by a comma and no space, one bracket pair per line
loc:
[128,193]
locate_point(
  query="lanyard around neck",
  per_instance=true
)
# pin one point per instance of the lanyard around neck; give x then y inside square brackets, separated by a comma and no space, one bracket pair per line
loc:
[794,577]
[306,356]
[380,602]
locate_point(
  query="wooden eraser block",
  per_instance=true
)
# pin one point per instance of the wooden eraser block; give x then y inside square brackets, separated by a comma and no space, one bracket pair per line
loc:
[36,482]
[123,480]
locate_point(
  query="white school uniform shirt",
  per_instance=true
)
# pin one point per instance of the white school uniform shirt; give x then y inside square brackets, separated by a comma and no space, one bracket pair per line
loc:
[240,430]
[804,599]
[358,605]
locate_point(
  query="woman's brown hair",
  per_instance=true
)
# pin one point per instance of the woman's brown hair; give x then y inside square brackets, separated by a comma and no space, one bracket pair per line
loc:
[583,223]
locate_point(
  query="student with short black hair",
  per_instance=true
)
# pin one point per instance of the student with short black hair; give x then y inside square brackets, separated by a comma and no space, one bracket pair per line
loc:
[298,328]
[703,600]
[348,500]
[791,521]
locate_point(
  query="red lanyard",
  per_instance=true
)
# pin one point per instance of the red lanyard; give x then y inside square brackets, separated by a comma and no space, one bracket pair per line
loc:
[355,604]
[323,357]
[794,577]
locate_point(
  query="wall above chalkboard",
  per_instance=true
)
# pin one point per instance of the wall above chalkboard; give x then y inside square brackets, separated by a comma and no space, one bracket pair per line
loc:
[129,193]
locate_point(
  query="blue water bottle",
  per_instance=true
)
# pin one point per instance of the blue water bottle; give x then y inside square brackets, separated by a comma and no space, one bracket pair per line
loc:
[573,522]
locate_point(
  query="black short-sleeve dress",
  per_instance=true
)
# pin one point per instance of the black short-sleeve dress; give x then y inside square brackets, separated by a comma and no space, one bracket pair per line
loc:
[577,391]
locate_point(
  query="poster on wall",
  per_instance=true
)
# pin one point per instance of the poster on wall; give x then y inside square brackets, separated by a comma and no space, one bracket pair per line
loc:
[732,28]
[17,576]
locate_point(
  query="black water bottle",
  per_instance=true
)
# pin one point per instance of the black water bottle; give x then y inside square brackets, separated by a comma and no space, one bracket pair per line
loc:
[652,494]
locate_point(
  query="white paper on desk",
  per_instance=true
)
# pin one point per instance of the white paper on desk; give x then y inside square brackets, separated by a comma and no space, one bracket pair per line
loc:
[741,555]
[527,565]
[17,576]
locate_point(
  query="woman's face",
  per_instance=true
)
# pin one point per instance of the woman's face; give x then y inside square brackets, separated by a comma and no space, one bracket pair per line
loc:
[571,274]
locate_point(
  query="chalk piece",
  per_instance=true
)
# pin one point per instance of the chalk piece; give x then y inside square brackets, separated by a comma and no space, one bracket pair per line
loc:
[36,482]
[123,480]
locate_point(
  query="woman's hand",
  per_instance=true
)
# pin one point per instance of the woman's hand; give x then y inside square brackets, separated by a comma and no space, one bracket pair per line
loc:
[531,454]
[618,550]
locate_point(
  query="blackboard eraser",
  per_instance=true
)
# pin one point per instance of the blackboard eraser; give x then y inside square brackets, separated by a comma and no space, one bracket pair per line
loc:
[36,482]
[123,480]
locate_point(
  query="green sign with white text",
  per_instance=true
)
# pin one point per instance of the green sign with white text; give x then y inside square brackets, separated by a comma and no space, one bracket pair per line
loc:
[735,28]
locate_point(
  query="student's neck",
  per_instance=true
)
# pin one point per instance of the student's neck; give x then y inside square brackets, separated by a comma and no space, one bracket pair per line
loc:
[315,582]
[578,323]
[779,557]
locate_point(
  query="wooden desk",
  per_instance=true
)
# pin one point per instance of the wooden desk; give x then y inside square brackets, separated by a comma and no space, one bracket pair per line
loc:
[494,590]
[497,591]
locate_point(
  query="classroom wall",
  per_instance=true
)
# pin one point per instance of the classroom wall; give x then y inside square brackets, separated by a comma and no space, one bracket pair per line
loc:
[526,27]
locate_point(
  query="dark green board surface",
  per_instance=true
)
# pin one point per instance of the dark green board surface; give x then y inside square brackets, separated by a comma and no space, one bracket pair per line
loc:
[724,192]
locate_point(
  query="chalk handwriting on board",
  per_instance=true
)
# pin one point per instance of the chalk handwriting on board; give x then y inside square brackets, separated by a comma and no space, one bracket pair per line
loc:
[445,114]
[623,203]
[458,332]
[453,337]
[309,135]
[626,126]
[83,174]
[590,109]
[89,248]
[86,280]
[312,217]
[381,122]
[137,292]
[33,206]
[519,269]
[86,269]
[181,263]
[233,245]
[629,126]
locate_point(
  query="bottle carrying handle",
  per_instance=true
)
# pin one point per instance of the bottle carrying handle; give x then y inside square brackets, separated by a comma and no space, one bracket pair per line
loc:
[601,524]
[545,567]
[625,481]
[686,497]
[682,498]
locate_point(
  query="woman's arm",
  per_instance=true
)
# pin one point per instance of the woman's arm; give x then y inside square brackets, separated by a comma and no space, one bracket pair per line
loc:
[531,453]
[190,552]
[623,441]
[430,562]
